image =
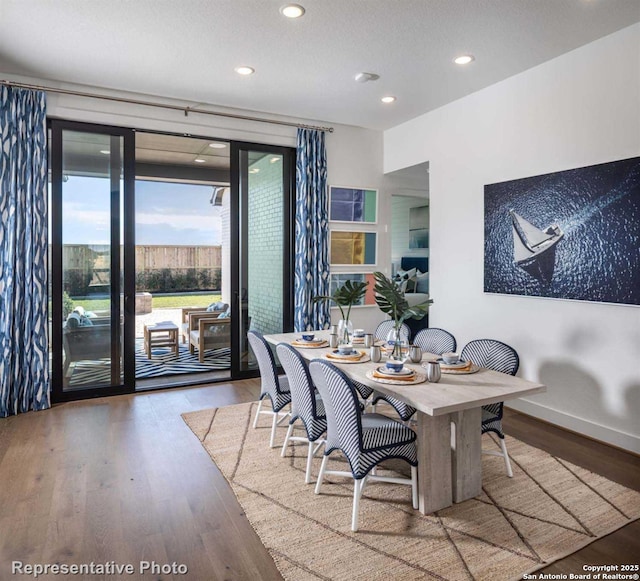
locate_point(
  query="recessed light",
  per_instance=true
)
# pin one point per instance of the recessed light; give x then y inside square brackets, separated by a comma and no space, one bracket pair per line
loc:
[105,151]
[199,160]
[388,99]
[254,170]
[216,145]
[244,70]
[464,59]
[274,160]
[292,10]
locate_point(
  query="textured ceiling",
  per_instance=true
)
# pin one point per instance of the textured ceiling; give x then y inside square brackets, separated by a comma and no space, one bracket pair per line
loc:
[188,49]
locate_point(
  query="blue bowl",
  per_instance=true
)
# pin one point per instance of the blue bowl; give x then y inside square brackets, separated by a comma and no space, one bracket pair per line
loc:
[395,366]
[308,336]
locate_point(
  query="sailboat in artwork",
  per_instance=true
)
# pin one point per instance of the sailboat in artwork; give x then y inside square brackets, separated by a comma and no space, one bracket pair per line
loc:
[529,242]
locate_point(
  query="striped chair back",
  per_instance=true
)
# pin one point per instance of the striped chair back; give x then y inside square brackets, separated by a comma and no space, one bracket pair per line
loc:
[344,425]
[303,392]
[385,327]
[437,341]
[495,355]
[492,354]
[266,363]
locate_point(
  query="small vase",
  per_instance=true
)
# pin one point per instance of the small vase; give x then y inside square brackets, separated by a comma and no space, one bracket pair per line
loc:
[345,331]
[394,338]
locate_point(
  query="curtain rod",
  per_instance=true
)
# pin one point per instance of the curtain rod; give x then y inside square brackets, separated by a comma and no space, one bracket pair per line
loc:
[186,110]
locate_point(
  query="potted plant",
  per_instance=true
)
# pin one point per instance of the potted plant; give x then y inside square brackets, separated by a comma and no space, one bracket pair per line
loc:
[391,301]
[345,296]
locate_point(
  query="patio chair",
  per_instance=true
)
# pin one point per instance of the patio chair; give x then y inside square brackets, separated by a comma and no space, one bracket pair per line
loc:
[306,404]
[366,440]
[501,357]
[273,386]
[432,340]
[213,309]
[208,332]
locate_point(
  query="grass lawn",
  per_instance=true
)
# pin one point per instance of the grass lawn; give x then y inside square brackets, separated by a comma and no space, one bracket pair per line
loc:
[158,302]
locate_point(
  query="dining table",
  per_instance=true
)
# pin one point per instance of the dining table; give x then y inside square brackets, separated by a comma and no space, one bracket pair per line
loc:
[448,417]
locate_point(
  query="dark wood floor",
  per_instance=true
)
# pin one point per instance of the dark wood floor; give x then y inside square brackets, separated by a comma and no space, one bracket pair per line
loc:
[123,479]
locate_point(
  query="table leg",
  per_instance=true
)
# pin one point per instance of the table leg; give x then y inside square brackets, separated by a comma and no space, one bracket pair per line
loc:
[147,342]
[174,332]
[434,462]
[466,463]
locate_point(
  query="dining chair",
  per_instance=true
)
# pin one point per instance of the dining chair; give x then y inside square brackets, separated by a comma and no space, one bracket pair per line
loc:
[306,404]
[273,386]
[431,340]
[381,332]
[365,439]
[497,356]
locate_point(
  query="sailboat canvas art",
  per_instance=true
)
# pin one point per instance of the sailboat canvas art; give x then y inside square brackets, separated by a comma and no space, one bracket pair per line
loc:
[573,234]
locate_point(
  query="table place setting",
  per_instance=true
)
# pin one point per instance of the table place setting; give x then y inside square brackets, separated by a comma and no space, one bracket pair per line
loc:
[396,373]
[452,364]
[309,341]
[346,354]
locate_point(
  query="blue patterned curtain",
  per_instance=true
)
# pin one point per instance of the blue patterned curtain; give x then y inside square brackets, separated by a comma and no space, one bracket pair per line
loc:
[312,252]
[24,355]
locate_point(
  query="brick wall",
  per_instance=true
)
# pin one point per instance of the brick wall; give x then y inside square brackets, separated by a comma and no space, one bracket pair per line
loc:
[266,214]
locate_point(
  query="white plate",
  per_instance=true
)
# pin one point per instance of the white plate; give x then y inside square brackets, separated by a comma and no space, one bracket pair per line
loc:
[384,370]
[460,363]
[301,340]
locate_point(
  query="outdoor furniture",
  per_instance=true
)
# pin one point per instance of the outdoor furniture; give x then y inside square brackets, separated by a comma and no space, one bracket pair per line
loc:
[501,357]
[208,331]
[87,343]
[214,309]
[164,334]
[273,386]
[366,440]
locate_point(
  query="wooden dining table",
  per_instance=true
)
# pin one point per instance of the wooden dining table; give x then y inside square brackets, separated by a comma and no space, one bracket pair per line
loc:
[449,467]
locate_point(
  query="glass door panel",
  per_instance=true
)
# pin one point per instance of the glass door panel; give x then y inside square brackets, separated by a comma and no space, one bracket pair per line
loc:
[87,266]
[264,268]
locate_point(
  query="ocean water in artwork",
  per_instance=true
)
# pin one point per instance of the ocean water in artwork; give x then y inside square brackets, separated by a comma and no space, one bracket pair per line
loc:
[573,234]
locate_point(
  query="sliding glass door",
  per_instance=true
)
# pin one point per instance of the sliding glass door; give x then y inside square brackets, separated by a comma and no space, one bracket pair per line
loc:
[211,261]
[262,255]
[91,260]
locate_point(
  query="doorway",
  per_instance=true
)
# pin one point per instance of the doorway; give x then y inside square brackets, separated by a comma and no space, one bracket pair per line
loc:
[165,250]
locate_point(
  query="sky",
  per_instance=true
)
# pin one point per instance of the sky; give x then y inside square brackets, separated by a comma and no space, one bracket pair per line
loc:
[166,213]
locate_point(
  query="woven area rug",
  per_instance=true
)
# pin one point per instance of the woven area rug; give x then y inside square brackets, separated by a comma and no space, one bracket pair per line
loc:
[549,509]
[163,363]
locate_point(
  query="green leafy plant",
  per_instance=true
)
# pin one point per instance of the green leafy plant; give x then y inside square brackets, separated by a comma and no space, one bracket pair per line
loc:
[391,301]
[347,295]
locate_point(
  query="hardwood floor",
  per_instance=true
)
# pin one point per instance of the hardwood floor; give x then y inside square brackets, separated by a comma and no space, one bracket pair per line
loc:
[123,479]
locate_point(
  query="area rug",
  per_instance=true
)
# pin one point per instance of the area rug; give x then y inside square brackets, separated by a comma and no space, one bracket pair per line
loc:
[549,509]
[163,363]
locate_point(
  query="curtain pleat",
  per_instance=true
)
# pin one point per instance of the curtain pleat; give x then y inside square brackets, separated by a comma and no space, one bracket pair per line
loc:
[311,247]
[24,354]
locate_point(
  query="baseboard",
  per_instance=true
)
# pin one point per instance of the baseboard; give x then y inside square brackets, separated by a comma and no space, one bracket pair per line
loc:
[627,442]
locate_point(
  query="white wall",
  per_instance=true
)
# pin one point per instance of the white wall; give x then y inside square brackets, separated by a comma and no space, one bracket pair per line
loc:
[580,109]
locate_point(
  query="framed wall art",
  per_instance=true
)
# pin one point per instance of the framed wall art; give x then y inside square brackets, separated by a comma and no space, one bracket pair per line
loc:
[337,279]
[571,234]
[353,205]
[352,248]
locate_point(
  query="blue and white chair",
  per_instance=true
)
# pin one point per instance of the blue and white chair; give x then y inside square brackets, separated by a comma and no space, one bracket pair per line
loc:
[382,330]
[432,340]
[306,404]
[501,357]
[273,386]
[365,439]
